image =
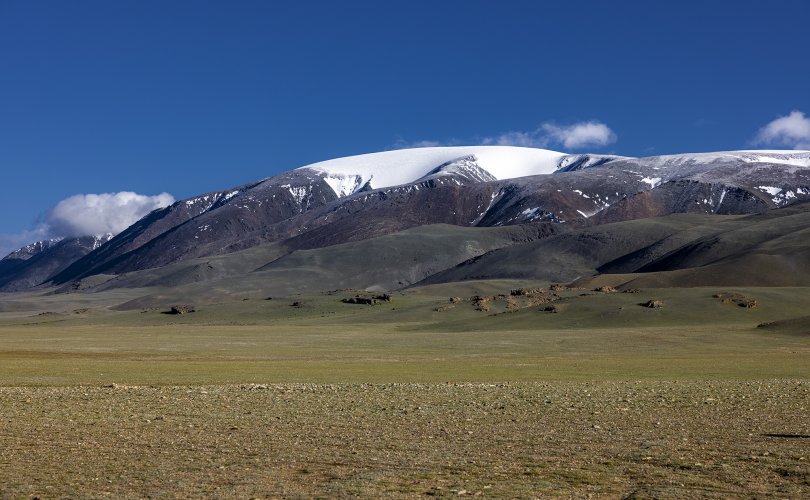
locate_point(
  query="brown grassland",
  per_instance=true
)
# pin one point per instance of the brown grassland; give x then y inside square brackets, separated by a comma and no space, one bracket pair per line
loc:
[258,398]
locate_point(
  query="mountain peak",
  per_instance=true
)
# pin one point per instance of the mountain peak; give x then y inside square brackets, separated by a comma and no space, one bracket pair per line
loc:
[350,174]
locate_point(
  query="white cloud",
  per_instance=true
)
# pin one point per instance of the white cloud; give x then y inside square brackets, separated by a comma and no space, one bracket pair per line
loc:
[579,135]
[534,139]
[86,215]
[588,134]
[98,214]
[403,144]
[791,131]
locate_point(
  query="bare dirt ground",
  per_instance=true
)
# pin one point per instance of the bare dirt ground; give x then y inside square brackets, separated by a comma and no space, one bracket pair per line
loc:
[684,439]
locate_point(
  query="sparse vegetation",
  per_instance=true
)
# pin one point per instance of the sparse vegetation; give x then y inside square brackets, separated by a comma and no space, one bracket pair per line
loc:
[651,439]
[255,398]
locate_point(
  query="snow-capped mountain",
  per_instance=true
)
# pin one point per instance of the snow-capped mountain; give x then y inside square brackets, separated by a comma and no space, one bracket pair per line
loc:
[405,166]
[39,262]
[31,250]
[366,172]
[358,197]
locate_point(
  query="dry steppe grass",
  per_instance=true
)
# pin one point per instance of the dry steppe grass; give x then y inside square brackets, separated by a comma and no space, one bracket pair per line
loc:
[256,398]
[637,439]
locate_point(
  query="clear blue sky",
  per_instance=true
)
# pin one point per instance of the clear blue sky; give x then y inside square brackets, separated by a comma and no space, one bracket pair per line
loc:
[188,97]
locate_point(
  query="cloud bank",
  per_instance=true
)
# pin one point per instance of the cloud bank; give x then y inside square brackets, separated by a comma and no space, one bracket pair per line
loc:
[588,134]
[98,214]
[578,135]
[401,143]
[792,131]
[87,215]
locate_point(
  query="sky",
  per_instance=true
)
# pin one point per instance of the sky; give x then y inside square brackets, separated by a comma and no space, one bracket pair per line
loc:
[109,109]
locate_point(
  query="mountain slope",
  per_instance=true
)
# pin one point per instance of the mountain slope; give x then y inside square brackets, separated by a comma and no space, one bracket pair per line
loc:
[357,198]
[382,263]
[271,209]
[769,249]
[39,262]
[575,253]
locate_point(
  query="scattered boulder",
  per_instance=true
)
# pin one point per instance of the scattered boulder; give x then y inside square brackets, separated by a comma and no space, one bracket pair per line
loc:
[653,304]
[254,387]
[527,291]
[631,290]
[736,299]
[481,302]
[455,300]
[360,300]
[543,299]
[296,304]
[181,309]
[551,309]
[444,308]
[557,287]
[374,300]
[605,289]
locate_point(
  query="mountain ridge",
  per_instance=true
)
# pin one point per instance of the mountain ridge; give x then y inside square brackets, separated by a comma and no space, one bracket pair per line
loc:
[312,207]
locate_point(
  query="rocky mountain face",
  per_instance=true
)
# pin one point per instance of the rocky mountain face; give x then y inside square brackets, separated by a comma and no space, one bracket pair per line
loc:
[330,203]
[37,263]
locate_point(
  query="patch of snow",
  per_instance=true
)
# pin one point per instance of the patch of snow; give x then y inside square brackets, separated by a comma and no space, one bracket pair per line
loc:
[491,202]
[298,193]
[784,157]
[652,181]
[393,168]
[29,250]
[773,191]
[530,213]
[465,167]
[101,239]
[207,201]
[344,185]
[588,160]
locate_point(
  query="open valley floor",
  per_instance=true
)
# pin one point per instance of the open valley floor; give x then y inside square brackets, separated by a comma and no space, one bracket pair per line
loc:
[481,388]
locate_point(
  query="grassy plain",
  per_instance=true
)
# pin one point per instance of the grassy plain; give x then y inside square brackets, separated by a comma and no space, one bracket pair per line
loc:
[262,398]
